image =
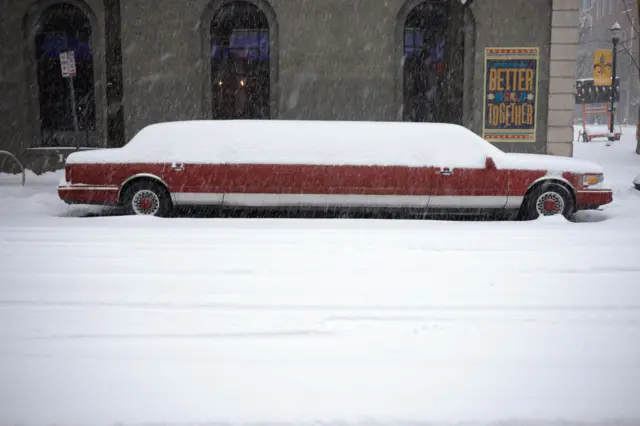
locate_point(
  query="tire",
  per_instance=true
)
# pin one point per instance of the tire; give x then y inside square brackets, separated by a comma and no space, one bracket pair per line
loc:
[548,199]
[146,198]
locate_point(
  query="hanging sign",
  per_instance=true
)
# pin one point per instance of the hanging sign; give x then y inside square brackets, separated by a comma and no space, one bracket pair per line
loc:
[588,93]
[511,94]
[68,64]
[602,67]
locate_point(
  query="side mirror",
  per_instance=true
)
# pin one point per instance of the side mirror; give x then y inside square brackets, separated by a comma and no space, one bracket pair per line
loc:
[490,164]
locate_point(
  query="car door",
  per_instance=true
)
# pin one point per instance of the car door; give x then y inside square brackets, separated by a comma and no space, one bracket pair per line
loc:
[466,178]
[195,171]
[368,186]
[329,174]
[195,183]
[326,185]
[258,185]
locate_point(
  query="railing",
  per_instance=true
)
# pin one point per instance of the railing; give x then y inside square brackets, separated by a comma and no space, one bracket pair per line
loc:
[7,153]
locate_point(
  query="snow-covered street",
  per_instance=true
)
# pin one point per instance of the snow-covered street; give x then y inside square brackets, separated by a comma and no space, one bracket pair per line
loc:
[138,320]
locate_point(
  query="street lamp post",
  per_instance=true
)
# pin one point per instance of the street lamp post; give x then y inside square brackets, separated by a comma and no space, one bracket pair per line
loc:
[615,38]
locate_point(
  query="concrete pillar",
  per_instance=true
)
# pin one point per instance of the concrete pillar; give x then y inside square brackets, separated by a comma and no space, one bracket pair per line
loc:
[563,62]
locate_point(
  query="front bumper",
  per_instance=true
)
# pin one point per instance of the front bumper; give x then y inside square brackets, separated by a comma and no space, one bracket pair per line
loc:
[86,194]
[592,199]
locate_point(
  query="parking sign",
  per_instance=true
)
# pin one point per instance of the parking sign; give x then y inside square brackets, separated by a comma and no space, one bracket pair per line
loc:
[68,64]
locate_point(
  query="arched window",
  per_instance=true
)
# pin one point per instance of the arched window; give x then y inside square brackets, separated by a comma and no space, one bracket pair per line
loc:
[240,70]
[63,27]
[433,62]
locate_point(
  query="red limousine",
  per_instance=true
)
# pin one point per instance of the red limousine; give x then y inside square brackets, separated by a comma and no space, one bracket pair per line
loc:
[433,168]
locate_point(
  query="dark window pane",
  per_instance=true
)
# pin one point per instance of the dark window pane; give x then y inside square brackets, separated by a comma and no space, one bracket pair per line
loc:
[240,72]
[432,68]
[63,27]
[408,38]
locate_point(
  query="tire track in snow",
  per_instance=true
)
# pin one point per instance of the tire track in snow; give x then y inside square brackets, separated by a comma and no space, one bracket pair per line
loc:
[317,308]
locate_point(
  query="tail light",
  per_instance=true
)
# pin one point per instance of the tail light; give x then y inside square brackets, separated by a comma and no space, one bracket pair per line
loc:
[67,174]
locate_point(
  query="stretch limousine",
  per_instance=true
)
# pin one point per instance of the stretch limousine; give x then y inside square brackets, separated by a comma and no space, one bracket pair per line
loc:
[434,168]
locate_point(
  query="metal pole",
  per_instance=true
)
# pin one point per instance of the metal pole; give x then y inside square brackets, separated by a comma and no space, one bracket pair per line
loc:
[24,177]
[74,111]
[612,116]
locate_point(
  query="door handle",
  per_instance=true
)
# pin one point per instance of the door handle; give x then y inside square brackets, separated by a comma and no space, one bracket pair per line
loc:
[446,172]
[177,168]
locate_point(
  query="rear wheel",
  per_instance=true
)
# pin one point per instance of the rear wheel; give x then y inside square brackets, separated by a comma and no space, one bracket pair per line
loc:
[548,200]
[145,198]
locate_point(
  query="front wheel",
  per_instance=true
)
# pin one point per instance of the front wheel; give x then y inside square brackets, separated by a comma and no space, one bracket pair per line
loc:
[548,200]
[147,199]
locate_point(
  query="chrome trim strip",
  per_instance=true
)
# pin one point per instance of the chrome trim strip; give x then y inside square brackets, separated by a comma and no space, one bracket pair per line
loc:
[141,175]
[88,188]
[514,202]
[420,201]
[594,191]
[326,199]
[196,198]
[468,201]
[551,177]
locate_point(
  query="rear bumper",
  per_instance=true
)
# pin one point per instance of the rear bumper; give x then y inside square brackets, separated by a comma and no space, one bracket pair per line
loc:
[592,199]
[85,194]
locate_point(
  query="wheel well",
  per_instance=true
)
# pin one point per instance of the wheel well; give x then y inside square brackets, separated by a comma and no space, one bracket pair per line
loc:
[128,184]
[563,184]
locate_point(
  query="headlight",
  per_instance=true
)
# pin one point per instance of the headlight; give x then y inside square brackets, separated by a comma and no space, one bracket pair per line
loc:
[590,180]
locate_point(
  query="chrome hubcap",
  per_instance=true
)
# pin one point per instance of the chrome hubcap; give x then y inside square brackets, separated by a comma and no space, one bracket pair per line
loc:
[549,204]
[145,202]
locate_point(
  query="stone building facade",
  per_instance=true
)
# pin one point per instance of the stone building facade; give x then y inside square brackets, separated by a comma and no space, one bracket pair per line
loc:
[145,61]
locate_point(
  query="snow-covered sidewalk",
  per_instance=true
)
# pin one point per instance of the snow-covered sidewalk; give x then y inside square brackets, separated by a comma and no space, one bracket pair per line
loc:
[125,320]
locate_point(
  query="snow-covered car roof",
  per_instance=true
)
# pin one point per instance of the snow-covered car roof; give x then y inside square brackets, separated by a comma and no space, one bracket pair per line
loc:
[321,143]
[299,142]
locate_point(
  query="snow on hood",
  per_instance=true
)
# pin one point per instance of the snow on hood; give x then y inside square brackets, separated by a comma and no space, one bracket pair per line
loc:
[550,163]
[93,156]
